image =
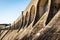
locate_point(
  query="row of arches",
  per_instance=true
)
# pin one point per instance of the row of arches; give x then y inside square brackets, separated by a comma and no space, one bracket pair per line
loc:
[41,9]
[29,17]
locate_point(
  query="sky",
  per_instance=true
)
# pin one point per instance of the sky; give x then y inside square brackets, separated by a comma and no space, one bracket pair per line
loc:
[10,10]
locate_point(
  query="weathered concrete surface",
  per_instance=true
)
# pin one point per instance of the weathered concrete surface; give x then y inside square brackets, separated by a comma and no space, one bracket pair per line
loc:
[39,21]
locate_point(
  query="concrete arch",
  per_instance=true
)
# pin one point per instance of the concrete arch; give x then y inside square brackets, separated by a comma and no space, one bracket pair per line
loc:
[32,14]
[26,19]
[41,9]
[53,10]
[22,20]
[41,5]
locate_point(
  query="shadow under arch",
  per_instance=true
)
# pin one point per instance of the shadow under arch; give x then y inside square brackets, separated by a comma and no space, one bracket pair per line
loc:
[22,19]
[41,9]
[53,10]
[26,19]
[32,14]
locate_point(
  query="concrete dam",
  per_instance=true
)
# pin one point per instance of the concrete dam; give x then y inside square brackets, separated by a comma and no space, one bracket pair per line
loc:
[39,21]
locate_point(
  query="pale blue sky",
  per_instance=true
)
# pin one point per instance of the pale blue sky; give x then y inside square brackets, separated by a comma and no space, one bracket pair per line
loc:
[11,9]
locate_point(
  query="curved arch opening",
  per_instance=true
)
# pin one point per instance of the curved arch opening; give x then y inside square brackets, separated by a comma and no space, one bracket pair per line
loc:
[41,9]
[32,14]
[26,18]
[22,18]
[53,10]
